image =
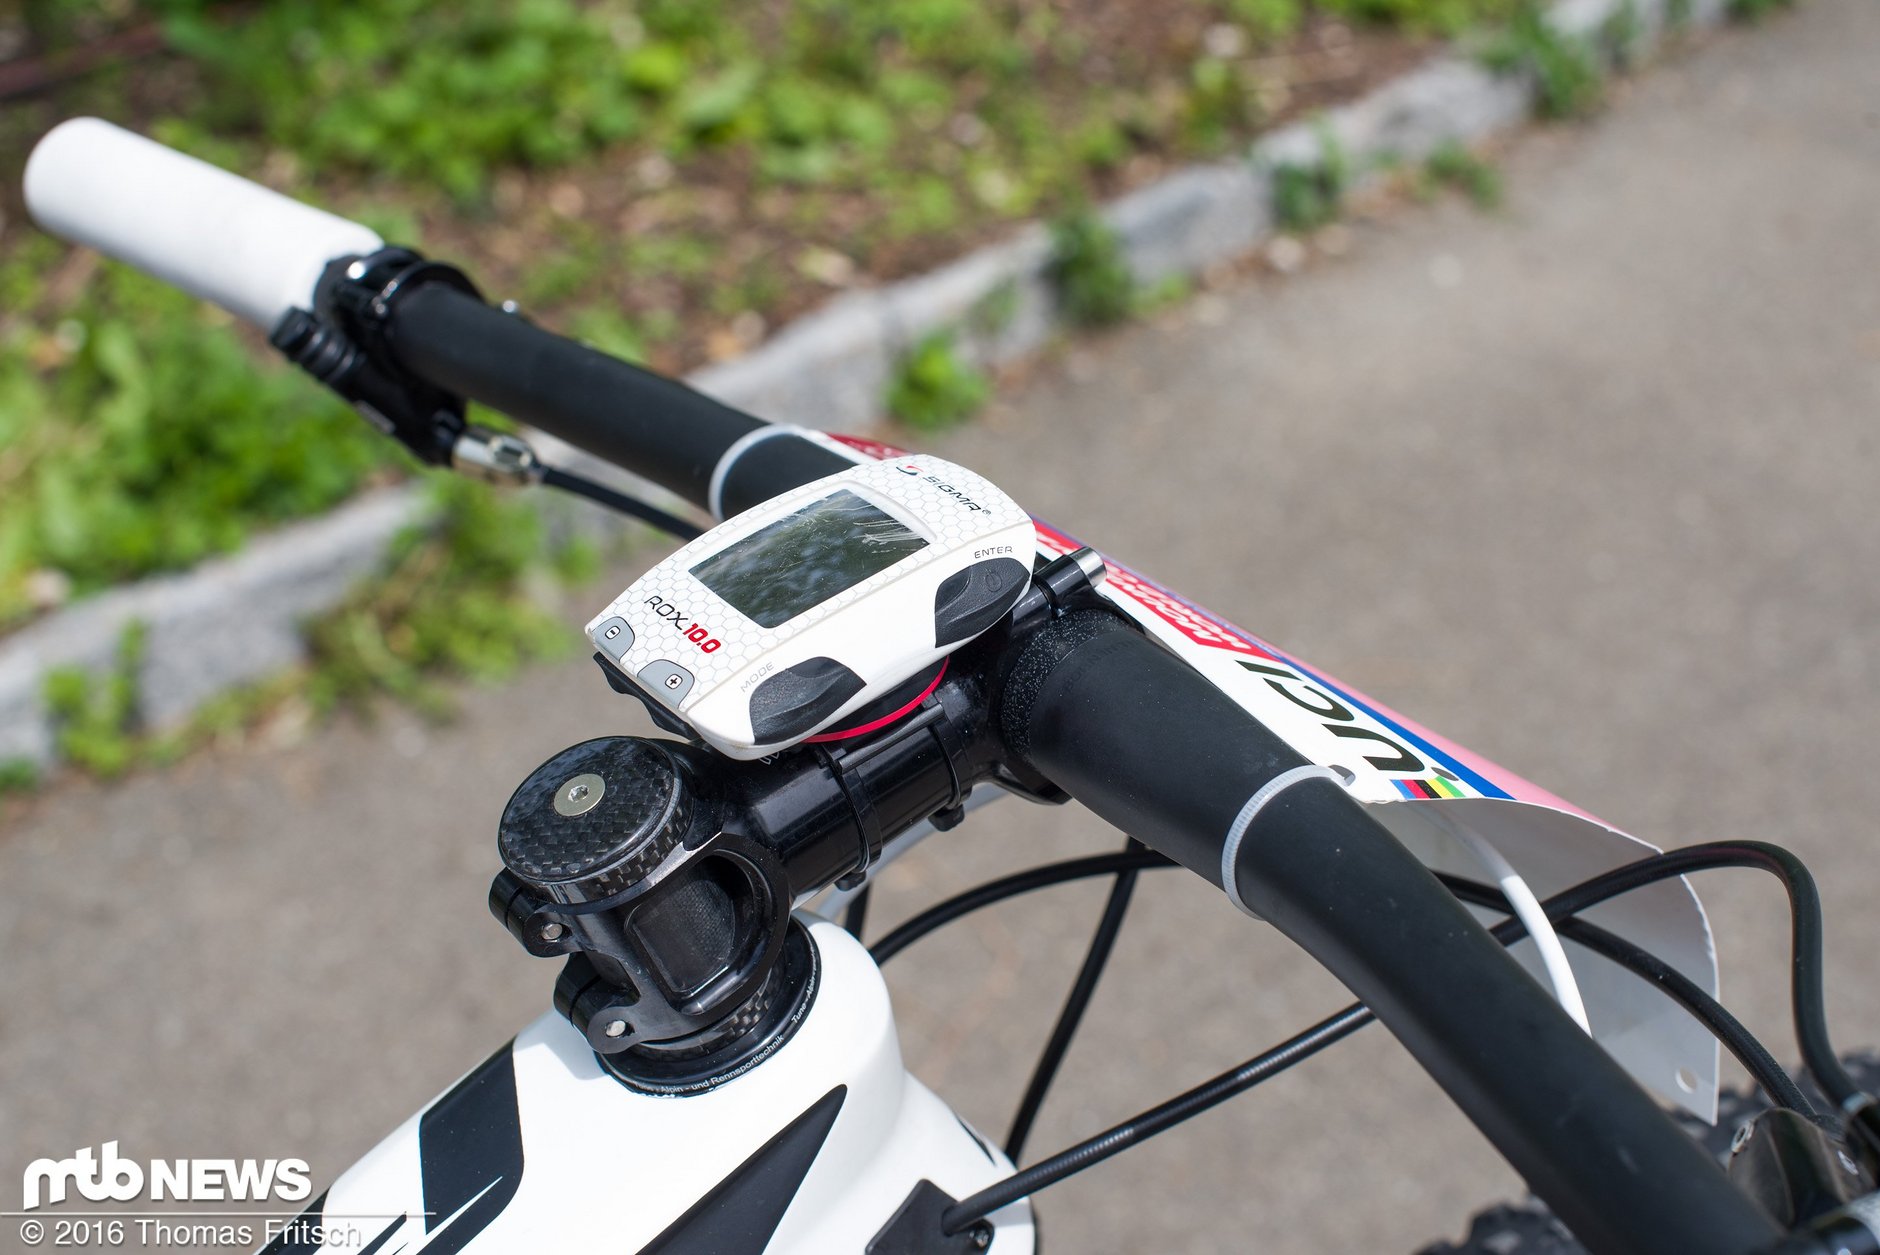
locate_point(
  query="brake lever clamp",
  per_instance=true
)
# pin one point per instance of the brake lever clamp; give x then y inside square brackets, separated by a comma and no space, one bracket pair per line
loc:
[343,343]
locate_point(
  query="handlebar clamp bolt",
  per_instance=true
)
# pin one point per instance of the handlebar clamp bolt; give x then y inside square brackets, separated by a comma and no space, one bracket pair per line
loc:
[1066,579]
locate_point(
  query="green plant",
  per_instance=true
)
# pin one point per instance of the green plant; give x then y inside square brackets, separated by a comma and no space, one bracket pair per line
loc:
[993,313]
[1165,292]
[1308,196]
[1101,144]
[1443,17]
[1268,19]
[138,436]
[1451,164]
[18,775]
[1622,36]
[1221,103]
[1565,68]
[94,718]
[458,596]
[610,331]
[1093,281]
[1755,10]
[697,145]
[935,387]
[438,92]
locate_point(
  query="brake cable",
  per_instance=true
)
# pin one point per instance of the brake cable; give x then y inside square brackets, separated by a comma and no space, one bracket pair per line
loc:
[1096,957]
[593,490]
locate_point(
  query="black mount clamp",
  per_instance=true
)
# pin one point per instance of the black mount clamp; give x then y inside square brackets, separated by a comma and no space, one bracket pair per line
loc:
[344,342]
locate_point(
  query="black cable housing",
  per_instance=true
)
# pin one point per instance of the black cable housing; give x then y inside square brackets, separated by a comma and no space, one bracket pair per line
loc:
[1756,1059]
[1808,1000]
[1121,1137]
[855,917]
[1096,957]
[993,891]
[600,493]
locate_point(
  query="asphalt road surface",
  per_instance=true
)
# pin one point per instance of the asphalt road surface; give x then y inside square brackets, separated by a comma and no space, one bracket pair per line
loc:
[1588,484]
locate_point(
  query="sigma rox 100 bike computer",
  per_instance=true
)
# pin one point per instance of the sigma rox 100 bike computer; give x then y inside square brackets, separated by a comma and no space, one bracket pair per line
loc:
[773,625]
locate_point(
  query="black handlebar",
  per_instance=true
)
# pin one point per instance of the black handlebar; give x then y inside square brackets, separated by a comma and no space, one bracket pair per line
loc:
[653,426]
[1143,740]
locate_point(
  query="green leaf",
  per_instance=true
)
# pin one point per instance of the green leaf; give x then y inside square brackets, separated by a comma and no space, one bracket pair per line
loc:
[715,103]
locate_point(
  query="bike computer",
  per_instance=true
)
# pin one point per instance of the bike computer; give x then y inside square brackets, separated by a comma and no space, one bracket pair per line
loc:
[777,622]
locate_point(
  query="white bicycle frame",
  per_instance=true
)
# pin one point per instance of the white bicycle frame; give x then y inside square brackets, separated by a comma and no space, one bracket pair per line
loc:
[539,1149]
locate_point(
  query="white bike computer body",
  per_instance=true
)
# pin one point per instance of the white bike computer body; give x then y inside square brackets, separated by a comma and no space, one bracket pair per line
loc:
[776,623]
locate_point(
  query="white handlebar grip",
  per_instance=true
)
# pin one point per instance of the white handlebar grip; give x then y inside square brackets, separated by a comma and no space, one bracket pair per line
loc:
[253,251]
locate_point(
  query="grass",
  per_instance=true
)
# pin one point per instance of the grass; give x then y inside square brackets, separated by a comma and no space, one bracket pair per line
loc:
[17,775]
[1307,196]
[935,387]
[461,596]
[1565,68]
[1756,10]
[94,718]
[1089,273]
[138,435]
[642,175]
[1452,165]
[1622,36]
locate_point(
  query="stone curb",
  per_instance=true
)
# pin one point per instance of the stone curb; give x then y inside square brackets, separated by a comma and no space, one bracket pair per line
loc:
[236,620]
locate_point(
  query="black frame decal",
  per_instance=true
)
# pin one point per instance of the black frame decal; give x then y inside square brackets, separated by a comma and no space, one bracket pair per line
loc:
[470,1148]
[742,1212]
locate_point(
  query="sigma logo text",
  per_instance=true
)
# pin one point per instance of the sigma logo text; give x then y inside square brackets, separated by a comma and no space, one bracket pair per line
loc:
[959,497]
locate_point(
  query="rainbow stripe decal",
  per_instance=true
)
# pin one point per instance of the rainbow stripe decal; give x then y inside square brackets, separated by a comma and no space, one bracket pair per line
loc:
[1435,786]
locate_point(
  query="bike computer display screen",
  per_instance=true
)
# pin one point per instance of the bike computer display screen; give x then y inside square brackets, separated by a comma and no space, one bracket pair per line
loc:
[803,559]
[811,605]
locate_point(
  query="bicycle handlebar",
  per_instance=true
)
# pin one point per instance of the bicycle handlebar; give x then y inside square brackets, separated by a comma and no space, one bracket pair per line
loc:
[1140,738]
[215,235]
